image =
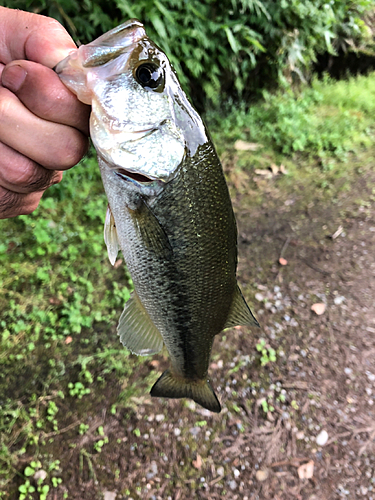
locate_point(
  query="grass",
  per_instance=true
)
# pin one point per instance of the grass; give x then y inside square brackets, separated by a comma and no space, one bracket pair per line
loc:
[60,299]
[326,120]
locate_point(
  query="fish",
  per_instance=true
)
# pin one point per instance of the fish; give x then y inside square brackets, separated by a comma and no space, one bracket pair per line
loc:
[169,209]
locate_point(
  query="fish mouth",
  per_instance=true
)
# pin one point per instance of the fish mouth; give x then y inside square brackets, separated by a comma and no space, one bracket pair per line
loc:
[141,134]
[135,176]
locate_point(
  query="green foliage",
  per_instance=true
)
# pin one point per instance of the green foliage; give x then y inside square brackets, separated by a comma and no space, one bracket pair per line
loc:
[227,48]
[327,119]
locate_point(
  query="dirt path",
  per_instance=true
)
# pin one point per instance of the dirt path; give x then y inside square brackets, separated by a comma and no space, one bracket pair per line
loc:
[322,380]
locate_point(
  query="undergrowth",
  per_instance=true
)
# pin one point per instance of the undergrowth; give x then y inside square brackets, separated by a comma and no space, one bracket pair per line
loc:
[59,303]
[328,118]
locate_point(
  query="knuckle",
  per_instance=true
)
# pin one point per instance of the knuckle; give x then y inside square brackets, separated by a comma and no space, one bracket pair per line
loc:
[33,177]
[28,209]
[72,153]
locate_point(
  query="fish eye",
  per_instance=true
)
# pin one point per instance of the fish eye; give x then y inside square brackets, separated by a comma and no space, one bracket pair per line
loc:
[150,76]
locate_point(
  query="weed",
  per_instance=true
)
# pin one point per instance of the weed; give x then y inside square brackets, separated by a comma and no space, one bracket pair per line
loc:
[78,389]
[268,355]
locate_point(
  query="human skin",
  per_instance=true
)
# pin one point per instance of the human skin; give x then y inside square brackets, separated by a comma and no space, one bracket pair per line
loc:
[43,127]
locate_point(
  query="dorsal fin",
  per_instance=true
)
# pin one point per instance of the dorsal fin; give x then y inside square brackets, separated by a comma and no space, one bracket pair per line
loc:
[240,313]
[137,331]
[110,236]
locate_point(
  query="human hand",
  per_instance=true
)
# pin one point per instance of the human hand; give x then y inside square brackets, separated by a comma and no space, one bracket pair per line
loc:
[43,127]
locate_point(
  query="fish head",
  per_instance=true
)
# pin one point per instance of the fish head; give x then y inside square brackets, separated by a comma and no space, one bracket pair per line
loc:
[142,124]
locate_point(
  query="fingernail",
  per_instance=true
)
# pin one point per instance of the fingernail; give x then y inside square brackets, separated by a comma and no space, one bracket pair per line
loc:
[13,77]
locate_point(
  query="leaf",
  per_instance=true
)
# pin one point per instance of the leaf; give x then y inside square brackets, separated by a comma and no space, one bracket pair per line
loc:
[318,308]
[29,471]
[232,41]
[306,471]
[197,464]
[246,146]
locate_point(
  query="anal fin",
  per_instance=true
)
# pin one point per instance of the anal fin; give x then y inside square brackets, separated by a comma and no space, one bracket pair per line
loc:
[137,331]
[240,313]
[200,391]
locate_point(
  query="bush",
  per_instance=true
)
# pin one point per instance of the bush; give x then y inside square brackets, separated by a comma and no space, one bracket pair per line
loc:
[225,48]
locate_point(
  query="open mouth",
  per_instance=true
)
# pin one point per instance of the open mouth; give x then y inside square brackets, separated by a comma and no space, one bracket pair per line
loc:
[126,174]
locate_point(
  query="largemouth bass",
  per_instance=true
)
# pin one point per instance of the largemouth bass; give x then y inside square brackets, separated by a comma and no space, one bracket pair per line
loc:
[169,207]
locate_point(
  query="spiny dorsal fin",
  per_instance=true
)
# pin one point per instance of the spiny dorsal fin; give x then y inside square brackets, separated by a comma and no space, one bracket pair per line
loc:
[136,330]
[240,313]
[110,236]
[200,391]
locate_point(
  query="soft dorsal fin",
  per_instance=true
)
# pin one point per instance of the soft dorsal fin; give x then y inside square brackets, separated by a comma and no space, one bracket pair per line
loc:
[137,331]
[240,313]
[110,236]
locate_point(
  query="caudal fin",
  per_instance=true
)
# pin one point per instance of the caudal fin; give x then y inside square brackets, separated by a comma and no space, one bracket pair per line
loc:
[200,391]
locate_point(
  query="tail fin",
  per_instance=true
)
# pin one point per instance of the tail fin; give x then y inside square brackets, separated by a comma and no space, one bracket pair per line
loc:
[200,391]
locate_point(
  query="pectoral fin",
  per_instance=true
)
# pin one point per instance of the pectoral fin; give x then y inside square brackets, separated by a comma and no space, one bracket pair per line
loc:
[200,391]
[240,313]
[150,231]
[137,331]
[110,236]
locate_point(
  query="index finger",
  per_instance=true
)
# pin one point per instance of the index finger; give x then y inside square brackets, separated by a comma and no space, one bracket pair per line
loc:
[24,35]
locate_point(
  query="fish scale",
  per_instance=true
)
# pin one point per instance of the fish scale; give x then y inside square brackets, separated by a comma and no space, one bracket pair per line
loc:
[169,207]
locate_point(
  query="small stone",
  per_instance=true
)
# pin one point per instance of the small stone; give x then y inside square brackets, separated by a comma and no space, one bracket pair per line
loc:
[300,435]
[363,490]
[322,438]
[177,431]
[195,431]
[40,475]
[348,371]
[109,495]
[236,473]
[261,475]
[338,300]
[232,485]
[159,418]
[220,471]
[259,297]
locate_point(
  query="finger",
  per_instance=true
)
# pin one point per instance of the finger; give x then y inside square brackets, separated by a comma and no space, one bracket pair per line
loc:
[30,36]
[13,204]
[52,145]
[41,90]
[21,175]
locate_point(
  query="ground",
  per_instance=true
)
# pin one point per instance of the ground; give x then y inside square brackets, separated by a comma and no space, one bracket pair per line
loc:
[298,418]
[264,444]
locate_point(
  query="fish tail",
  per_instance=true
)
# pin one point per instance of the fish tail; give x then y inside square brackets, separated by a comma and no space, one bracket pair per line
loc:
[200,391]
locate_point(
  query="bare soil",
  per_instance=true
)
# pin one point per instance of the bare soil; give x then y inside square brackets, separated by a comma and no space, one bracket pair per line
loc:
[322,380]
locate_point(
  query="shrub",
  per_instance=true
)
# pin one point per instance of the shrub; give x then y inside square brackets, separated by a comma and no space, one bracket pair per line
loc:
[231,47]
